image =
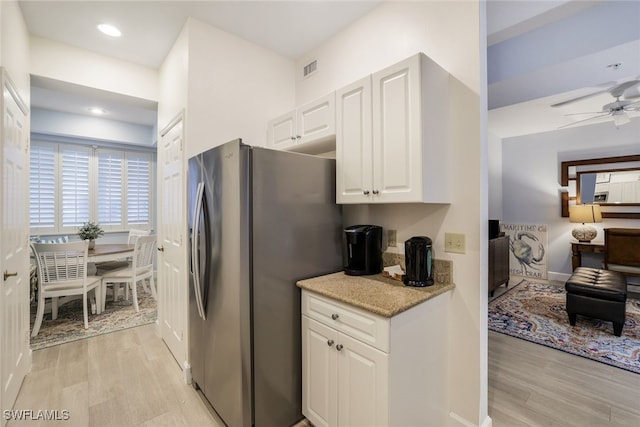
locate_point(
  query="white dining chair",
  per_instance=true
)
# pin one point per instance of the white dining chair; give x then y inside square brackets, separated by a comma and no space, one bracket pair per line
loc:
[62,271]
[106,266]
[141,269]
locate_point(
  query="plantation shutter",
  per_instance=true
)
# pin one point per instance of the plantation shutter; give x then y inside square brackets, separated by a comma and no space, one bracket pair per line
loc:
[42,202]
[75,185]
[110,172]
[138,185]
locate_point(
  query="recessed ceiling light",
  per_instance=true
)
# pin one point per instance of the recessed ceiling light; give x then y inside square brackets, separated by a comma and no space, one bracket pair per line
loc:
[109,30]
[98,111]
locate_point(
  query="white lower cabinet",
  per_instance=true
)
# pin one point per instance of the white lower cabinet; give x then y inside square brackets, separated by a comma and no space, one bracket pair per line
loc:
[361,369]
[344,380]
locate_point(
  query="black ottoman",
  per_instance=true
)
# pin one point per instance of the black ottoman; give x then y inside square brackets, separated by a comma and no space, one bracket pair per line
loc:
[597,293]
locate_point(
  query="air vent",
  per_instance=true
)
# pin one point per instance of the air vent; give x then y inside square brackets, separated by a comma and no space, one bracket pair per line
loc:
[310,68]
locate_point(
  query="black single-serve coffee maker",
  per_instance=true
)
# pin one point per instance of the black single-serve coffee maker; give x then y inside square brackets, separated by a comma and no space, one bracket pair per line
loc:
[418,258]
[363,250]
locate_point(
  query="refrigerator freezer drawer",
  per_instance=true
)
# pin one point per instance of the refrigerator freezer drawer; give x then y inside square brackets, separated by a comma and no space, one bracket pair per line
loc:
[363,325]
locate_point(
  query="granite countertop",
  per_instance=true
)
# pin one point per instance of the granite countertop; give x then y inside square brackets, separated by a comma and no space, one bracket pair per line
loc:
[377,294]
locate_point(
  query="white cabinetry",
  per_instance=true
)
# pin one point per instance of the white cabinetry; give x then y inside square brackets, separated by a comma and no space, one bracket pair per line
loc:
[392,132]
[361,369]
[309,128]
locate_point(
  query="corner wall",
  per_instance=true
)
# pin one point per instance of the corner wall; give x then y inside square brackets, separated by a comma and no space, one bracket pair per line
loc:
[447,32]
[531,180]
[70,64]
[235,88]
[14,47]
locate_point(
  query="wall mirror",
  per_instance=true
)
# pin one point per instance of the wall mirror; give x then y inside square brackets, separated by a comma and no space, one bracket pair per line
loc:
[612,182]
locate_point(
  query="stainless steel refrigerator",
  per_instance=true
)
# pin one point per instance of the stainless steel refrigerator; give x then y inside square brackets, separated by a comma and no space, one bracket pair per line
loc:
[259,220]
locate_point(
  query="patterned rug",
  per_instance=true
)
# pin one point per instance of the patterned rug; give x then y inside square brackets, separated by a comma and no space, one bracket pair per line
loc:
[69,326]
[536,312]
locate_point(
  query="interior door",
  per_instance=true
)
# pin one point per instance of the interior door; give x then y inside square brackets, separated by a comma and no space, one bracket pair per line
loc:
[172,260]
[14,238]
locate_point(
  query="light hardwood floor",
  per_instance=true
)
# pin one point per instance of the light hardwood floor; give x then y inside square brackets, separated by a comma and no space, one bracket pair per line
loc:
[533,385]
[127,378]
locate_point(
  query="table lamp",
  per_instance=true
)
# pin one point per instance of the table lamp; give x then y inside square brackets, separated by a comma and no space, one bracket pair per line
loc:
[584,214]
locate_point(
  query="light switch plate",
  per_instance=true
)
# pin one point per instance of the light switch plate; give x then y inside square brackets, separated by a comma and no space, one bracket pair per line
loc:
[392,239]
[454,242]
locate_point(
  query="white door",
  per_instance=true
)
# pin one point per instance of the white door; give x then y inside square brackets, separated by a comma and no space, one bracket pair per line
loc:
[319,397]
[354,173]
[397,132]
[172,274]
[14,238]
[362,384]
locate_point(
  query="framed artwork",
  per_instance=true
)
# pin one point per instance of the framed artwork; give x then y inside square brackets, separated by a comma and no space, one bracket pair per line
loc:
[527,249]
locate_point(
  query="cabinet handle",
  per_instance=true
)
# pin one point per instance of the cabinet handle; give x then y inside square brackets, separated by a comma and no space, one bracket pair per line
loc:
[7,274]
[365,192]
[339,347]
[293,138]
[335,316]
[161,249]
[298,137]
[376,192]
[330,343]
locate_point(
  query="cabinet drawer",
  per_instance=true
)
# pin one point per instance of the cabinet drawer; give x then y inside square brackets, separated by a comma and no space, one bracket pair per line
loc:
[357,323]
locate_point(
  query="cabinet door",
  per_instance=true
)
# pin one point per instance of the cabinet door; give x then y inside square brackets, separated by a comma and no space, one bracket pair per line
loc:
[319,373]
[397,133]
[316,121]
[362,384]
[354,177]
[281,132]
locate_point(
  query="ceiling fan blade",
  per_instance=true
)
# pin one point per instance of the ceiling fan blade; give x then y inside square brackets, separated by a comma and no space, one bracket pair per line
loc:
[586,112]
[584,120]
[570,101]
[618,91]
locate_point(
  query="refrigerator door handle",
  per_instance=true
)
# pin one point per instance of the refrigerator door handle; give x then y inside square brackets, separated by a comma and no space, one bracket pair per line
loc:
[195,243]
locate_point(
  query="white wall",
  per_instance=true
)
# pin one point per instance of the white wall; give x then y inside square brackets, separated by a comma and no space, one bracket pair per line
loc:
[79,126]
[495,176]
[70,64]
[531,180]
[448,32]
[235,87]
[173,81]
[14,47]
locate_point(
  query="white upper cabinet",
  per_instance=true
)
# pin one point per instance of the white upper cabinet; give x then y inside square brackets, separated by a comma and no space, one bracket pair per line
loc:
[282,131]
[310,128]
[354,145]
[392,140]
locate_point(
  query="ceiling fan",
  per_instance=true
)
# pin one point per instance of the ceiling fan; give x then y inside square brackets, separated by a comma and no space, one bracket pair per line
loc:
[616,109]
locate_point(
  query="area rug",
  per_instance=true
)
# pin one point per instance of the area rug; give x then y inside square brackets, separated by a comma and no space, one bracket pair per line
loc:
[536,312]
[69,326]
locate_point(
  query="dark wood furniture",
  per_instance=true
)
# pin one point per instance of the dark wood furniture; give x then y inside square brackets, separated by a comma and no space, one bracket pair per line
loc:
[622,250]
[498,262]
[577,248]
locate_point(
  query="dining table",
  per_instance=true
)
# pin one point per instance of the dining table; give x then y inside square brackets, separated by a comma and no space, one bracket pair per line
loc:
[102,252]
[109,252]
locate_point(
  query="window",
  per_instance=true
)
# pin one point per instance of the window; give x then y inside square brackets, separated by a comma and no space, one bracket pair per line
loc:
[71,184]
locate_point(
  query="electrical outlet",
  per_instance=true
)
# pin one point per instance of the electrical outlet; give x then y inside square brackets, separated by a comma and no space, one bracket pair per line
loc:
[392,239]
[454,242]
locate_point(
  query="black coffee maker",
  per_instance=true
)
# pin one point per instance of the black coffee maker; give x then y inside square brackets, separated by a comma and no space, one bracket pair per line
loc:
[363,250]
[418,258]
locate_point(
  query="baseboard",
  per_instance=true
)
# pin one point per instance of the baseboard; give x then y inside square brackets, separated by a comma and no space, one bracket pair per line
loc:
[461,421]
[186,373]
[562,277]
